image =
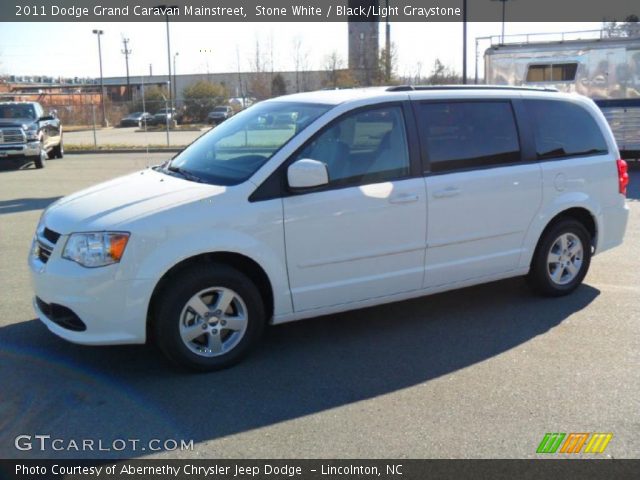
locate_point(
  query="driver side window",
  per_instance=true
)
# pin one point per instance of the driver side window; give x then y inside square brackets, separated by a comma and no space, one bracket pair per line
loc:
[363,147]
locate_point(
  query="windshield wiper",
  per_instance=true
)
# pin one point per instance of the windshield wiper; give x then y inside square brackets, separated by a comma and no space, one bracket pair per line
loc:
[185,173]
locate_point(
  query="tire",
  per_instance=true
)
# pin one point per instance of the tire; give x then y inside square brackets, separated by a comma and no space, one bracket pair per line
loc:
[57,151]
[227,336]
[41,160]
[561,259]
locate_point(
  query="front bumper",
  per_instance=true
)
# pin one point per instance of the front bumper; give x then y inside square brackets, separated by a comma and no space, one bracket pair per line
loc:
[20,150]
[112,309]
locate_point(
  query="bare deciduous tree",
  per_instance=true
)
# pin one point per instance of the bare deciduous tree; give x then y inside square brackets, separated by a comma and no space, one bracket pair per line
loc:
[337,75]
[300,62]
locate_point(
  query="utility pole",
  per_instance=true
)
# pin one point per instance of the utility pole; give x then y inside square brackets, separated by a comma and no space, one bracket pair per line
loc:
[99,33]
[126,52]
[151,70]
[387,46]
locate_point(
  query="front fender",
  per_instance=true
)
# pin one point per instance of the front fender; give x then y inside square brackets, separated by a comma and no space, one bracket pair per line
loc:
[262,240]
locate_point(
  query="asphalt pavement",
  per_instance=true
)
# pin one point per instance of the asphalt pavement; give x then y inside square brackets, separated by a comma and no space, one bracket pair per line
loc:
[132,136]
[482,372]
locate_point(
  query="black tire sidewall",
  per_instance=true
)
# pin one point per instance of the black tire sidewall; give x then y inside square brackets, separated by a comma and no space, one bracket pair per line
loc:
[176,294]
[539,276]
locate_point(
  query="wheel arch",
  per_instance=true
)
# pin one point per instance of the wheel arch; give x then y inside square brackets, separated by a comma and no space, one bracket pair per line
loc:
[241,262]
[580,214]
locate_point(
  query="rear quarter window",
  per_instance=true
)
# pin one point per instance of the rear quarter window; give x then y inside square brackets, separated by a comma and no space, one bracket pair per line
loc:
[468,134]
[564,129]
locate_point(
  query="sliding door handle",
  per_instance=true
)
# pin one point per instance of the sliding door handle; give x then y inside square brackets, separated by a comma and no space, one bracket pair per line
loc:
[447,192]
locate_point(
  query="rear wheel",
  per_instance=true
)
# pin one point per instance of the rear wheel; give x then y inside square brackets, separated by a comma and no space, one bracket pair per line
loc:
[209,317]
[562,259]
[58,150]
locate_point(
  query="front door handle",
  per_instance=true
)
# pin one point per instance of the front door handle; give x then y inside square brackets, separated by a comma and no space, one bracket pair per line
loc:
[404,198]
[447,192]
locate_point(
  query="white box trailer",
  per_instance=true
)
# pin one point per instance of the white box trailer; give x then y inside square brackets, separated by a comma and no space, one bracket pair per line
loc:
[606,69]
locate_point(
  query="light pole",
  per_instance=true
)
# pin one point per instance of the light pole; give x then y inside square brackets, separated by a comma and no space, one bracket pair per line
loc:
[166,9]
[464,42]
[504,2]
[175,80]
[98,33]
[387,44]
[166,111]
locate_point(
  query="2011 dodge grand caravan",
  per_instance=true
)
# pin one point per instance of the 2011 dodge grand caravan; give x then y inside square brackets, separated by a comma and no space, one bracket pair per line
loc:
[322,202]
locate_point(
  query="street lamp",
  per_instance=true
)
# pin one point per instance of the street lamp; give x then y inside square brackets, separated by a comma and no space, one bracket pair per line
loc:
[98,33]
[175,79]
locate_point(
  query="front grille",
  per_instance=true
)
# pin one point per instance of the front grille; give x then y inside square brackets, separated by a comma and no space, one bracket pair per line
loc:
[46,241]
[43,252]
[12,135]
[62,316]
[51,235]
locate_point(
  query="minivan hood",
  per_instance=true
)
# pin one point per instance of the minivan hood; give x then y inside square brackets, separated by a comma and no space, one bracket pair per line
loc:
[117,203]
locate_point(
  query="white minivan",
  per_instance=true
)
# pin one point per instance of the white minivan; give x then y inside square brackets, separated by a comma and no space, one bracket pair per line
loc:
[322,202]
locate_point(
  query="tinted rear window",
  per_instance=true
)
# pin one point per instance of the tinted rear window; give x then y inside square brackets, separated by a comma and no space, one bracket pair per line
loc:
[469,134]
[564,129]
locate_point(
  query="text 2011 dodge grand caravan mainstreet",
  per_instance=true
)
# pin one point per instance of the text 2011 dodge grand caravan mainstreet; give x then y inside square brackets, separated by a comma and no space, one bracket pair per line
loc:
[322,202]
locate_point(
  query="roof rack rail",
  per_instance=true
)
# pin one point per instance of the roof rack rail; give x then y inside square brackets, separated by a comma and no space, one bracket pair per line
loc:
[407,88]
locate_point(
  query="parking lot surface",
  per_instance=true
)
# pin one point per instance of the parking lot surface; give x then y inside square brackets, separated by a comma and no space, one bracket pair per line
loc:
[480,372]
[131,136]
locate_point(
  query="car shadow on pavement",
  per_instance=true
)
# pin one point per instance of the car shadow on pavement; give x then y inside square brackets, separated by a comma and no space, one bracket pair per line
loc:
[25,204]
[302,368]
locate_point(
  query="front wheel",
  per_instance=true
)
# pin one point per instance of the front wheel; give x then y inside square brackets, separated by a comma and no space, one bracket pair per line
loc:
[562,259]
[41,160]
[209,317]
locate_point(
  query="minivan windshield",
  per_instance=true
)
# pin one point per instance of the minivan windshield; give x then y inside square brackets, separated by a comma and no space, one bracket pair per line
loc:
[233,151]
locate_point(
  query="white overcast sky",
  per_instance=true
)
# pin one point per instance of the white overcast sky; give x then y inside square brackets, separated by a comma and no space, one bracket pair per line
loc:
[70,49]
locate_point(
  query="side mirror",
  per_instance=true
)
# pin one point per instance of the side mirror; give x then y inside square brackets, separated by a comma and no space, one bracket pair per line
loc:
[46,118]
[307,173]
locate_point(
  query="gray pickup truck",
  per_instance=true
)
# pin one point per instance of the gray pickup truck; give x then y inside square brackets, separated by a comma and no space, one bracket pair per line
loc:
[28,135]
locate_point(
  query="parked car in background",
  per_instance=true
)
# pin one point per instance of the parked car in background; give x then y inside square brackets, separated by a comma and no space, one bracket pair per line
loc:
[160,118]
[376,195]
[136,119]
[28,135]
[219,115]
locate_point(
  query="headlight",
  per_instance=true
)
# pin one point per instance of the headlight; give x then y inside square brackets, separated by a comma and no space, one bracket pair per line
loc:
[95,249]
[31,132]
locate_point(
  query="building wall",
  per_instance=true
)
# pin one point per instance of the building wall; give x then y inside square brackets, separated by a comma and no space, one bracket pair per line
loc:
[237,85]
[364,45]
